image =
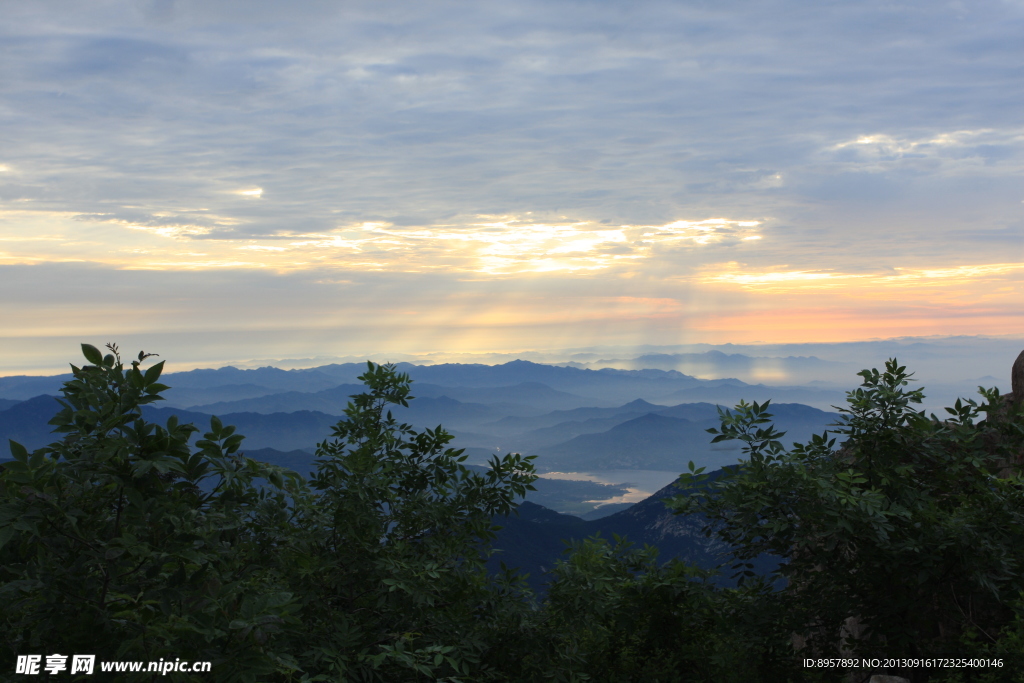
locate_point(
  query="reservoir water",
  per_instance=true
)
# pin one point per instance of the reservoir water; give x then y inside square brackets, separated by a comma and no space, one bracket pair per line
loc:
[640,484]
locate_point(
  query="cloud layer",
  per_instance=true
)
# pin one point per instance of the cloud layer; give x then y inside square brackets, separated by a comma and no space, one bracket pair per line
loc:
[821,162]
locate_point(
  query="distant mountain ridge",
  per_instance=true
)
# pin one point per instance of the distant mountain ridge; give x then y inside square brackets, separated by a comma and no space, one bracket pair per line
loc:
[27,423]
[665,439]
[526,397]
[797,369]
[590,420]
[537,382]
[635,435]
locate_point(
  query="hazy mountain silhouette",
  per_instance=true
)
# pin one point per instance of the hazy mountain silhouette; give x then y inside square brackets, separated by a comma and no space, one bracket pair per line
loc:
[792,369]
[648,442]
[26,423]
[24,387]
[624,437]
[527,398]
[276,379]
[730,394]
[563,431]
[663,441]
[607,384]
[331,401]
[514,424]
[189,397]
[567,379]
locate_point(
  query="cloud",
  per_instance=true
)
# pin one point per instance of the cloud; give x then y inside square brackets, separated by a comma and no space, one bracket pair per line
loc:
[954,152]
[539,108]
[555,142]
[963,280]
[496,245]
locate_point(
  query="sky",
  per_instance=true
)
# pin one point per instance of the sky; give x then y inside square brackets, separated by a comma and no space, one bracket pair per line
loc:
[221,180]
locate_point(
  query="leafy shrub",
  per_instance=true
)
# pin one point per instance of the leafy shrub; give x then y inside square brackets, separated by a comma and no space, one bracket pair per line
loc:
[123,540]
[896,544]
[111,546]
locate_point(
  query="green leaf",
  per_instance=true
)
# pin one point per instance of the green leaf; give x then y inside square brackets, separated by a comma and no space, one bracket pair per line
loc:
[92,354]
[153,373]
[18,451]
[37,459]
[6,534]
[232,443]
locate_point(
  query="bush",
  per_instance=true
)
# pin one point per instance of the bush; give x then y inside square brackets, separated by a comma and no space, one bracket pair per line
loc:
[898,543]
[121,540]
[124,541]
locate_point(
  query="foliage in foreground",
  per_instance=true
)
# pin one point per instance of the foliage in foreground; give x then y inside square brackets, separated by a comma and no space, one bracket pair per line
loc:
[125,541]
[904,542]
[121,541]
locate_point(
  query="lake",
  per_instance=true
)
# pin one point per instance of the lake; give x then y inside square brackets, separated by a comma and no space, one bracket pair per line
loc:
[640,484]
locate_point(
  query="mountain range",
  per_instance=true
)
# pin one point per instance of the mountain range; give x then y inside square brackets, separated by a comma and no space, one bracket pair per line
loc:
[573,419]
[630,437]
[580,420]
[523,382]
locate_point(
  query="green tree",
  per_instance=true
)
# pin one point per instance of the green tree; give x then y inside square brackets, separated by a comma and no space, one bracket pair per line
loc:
[628,617]
[391,569]
[909,533]
[120,541]
[123,541]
